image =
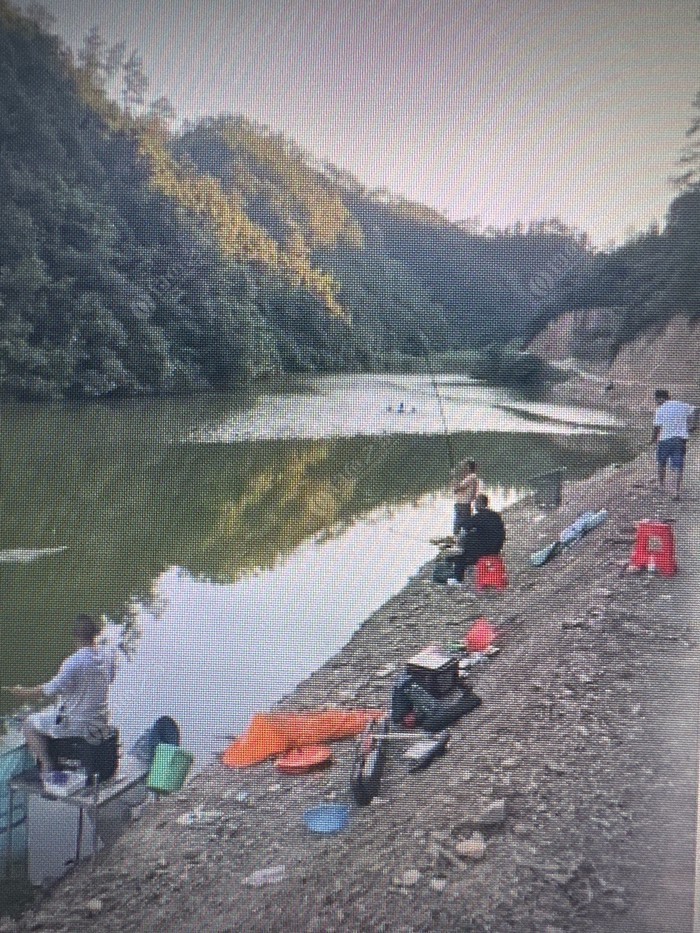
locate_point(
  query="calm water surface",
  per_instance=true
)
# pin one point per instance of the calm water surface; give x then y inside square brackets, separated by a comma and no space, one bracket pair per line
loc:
[242,539]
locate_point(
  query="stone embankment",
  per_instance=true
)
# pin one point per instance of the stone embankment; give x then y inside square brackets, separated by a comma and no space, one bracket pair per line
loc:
[566,802]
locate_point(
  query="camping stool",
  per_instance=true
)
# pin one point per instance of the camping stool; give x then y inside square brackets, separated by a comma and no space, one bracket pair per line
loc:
[491,572]
[654,548]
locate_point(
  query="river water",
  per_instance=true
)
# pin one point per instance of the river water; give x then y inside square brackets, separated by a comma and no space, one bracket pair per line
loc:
[241,539]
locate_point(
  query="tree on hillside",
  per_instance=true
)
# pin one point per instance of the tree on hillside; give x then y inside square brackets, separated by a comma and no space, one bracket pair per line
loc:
[162,110]
[689,161]
[92,52]
[681,256]
[135,82]
[100,62]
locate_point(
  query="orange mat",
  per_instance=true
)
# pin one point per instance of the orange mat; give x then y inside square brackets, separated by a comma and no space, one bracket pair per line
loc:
[276,733]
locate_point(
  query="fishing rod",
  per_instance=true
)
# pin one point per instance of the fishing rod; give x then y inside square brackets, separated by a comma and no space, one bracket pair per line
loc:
[441,407]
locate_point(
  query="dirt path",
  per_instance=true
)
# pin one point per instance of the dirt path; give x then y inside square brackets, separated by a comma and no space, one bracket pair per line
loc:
[578,772]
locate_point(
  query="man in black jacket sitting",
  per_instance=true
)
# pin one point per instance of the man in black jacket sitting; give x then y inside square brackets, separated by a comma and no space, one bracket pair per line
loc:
[481,536]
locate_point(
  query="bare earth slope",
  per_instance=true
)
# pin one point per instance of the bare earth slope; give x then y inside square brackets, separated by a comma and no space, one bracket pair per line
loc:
[579,770]
[665,355]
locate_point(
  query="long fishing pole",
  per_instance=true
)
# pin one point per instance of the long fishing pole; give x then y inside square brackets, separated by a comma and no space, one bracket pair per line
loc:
[441,407]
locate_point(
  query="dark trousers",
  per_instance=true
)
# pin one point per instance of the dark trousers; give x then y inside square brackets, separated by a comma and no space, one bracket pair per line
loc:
[463,511]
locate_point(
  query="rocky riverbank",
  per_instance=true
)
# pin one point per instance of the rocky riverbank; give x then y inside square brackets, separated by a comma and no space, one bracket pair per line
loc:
[566,802]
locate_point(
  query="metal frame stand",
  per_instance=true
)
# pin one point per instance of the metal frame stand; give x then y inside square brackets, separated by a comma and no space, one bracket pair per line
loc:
[90,799]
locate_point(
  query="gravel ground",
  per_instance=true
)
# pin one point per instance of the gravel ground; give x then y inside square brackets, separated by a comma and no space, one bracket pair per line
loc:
[566,802]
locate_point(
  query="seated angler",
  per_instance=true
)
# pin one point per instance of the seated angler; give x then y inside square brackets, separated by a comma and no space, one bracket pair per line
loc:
[482,535]
[80,688]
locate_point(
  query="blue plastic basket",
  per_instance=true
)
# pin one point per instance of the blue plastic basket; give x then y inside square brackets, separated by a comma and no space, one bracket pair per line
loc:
[327,818]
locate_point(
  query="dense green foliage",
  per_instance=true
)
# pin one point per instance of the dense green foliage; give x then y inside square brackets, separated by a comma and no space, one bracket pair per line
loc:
[137,258]
[490,283]
[104,287]
[503,364]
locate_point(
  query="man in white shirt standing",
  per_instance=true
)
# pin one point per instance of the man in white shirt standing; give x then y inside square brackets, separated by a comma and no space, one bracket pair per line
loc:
[672,423]
[81,691]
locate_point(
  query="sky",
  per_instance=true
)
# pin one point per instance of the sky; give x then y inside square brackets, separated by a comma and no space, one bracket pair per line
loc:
[501,110]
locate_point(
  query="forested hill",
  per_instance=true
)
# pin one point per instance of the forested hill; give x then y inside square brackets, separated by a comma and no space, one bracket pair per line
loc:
[463,285]
[136,257]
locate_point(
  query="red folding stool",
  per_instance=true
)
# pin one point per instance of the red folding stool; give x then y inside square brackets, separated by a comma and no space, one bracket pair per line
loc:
[491,572]
[654,548]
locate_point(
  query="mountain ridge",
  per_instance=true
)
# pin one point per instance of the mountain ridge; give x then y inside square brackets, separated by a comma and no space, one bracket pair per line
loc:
[137,258]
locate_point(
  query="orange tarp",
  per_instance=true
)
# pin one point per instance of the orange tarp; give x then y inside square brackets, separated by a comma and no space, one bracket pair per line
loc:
[276,733]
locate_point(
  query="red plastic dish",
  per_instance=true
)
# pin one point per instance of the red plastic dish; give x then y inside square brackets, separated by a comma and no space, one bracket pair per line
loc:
[302,760]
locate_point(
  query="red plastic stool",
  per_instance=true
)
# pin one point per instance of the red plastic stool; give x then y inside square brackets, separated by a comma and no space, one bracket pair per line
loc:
[491,571]
[655,548]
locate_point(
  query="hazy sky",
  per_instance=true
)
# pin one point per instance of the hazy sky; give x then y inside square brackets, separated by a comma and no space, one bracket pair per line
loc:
[500,109]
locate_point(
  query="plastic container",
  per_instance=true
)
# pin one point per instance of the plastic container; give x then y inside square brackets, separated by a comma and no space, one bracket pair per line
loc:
[303,760]
[434,670]
[327,818]
[480,636]
[64,783]
[171,765]
[164,731]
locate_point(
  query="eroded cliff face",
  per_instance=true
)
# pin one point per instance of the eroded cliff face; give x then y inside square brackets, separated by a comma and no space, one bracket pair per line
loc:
[668,355]
[665,355]
[584,335]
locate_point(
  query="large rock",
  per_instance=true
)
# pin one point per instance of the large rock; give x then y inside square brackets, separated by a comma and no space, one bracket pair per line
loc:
[473,848]
[492,815]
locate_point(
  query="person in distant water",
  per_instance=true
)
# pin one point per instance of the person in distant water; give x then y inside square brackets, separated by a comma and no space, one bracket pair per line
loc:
[482,535]
[466,488]
[672,423]
[401,408]
[80,689]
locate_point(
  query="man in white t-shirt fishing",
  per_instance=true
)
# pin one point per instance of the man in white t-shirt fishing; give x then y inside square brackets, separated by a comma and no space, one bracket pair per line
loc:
[81,690]
[672,424]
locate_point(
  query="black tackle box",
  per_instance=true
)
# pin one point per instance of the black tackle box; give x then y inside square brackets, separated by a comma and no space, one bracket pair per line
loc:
[434,671]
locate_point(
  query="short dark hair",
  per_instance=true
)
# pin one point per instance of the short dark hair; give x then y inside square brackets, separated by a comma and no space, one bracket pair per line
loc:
[471,464]
[85,628]
[481,499]
[661,395]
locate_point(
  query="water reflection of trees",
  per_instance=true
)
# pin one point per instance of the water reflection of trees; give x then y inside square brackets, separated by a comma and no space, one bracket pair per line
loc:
[288,492]
[279,507]
[130,501]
